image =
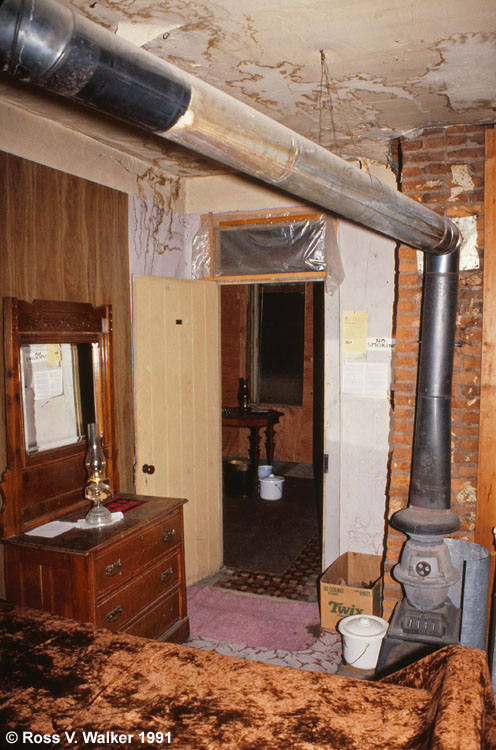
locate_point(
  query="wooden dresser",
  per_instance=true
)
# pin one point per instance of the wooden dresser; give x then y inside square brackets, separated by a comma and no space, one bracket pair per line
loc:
[127,577]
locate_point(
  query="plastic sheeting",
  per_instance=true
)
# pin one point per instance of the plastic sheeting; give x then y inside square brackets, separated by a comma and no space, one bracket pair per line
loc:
[278,247]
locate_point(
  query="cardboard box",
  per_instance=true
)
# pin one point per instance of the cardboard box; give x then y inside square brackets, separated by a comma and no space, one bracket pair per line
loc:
[342,589]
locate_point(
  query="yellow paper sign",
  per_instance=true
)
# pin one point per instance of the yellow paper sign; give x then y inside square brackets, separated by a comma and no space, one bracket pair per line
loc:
[53,354]
[355,331]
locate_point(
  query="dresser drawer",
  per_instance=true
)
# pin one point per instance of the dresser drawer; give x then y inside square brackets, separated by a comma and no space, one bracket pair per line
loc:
[129,599]
[158,618]
[119,563]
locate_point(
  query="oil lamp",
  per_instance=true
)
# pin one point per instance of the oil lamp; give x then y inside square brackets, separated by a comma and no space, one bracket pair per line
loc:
[97,490]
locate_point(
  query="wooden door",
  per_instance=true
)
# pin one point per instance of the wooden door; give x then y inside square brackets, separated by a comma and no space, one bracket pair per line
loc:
[177,407]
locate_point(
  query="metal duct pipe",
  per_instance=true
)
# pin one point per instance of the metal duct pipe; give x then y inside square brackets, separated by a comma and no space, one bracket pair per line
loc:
[50,45]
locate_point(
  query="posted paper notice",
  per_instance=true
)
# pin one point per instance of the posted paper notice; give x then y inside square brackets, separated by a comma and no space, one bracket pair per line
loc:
[366,379]
[355,332]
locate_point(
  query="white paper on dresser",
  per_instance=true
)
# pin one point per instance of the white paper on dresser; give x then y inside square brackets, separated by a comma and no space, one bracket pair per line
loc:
[51,529]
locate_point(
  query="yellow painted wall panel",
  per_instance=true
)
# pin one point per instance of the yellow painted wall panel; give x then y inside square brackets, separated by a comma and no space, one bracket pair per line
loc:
[177,373]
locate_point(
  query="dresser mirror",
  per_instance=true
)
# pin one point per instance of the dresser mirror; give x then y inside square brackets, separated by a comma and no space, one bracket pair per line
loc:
[58,379]
[58,393]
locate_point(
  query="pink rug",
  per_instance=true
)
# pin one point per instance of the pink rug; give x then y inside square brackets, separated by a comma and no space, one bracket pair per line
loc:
[252,621]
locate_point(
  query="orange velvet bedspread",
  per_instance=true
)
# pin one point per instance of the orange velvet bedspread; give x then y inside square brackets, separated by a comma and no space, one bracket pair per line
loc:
[68,681]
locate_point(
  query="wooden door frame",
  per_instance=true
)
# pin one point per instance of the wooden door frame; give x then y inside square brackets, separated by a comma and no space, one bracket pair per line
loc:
[328,548]
[486,479]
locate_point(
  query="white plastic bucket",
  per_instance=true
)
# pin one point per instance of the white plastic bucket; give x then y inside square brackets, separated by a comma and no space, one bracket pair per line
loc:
[264,471]
[362,639]
[271,487]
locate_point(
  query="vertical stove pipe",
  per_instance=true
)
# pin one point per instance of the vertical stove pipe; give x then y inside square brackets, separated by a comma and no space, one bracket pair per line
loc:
[430,485]
[48,44]
[425,567]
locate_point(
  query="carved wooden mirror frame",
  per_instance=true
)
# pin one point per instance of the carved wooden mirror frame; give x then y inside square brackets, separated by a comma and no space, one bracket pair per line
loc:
[43,486]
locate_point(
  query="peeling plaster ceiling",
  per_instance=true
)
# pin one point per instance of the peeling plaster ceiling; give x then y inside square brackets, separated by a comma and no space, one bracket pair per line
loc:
[348,75]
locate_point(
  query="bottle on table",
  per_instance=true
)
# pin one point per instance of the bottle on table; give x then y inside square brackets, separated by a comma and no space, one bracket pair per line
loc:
[243,394]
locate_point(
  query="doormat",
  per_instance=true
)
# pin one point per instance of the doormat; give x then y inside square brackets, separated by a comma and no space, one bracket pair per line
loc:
[299,582]
[253,621]
[261,629]
[124,504]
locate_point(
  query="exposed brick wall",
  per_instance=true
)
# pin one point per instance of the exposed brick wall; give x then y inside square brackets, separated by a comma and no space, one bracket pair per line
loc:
[442,168]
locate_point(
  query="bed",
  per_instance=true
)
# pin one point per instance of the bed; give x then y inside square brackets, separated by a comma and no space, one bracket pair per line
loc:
[66,682]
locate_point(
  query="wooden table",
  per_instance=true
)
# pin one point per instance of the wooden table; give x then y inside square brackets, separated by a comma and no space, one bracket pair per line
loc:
[254,420]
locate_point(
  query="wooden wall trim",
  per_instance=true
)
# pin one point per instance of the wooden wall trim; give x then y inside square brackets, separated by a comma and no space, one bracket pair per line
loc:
[486,482]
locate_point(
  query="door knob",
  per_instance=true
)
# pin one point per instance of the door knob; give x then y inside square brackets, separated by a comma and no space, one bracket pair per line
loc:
[148,468]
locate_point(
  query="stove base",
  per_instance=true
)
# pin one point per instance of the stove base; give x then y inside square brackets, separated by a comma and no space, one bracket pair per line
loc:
[440,626]
[414,633]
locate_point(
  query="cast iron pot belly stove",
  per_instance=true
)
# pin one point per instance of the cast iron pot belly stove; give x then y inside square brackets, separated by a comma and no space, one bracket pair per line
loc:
[426,619]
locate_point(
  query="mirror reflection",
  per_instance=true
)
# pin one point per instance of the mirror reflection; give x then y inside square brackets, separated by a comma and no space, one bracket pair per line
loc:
[58,393]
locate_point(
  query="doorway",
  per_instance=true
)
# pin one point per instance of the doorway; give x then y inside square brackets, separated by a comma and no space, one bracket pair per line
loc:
[274,546]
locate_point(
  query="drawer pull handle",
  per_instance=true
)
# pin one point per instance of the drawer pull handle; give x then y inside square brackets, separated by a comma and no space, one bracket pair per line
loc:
[114,568]
[114,614]
[166,574]
[169,535]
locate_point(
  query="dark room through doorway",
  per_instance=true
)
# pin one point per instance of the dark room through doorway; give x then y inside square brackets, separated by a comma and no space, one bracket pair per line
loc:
[273,336]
